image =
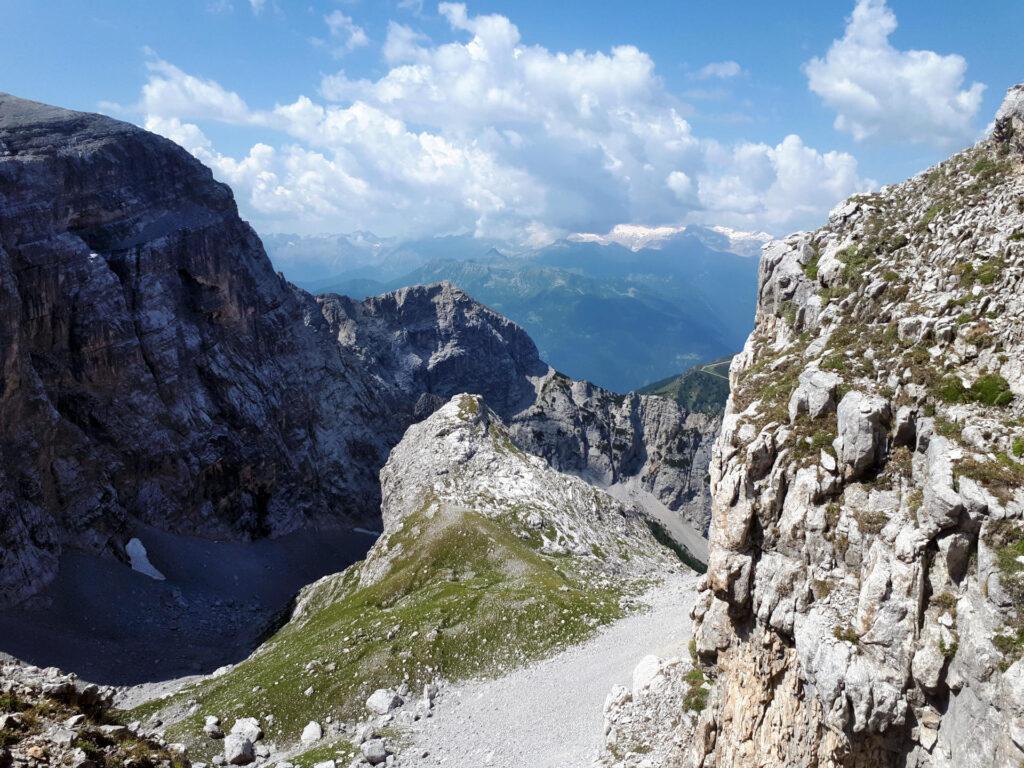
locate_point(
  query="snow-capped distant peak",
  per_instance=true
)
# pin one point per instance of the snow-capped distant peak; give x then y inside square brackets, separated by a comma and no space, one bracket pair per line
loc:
[632,236]
[637,237]
[738,234]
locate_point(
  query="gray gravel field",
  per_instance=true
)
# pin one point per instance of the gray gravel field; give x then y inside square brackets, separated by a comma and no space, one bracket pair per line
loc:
[550,714]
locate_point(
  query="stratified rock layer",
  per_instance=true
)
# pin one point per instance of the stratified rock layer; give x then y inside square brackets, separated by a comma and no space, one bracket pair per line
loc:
[153,366]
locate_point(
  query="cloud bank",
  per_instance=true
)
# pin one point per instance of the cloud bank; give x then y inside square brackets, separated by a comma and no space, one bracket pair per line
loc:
[491,135]
[879,92]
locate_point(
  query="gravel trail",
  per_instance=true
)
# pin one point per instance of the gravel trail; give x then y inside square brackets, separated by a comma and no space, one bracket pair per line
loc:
[551,713]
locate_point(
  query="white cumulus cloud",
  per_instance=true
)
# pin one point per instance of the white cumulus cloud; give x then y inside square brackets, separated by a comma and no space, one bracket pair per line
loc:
[487,134]
[878,91]
[721,70]
[345,30]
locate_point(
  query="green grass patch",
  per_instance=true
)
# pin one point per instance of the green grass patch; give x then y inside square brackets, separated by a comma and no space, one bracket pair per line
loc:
[664,538]
[341,751]
[991,389]
[464,597]
[811,267]
[989,272]
[468,407]
[989,169]
[696,697]
[1006,537]
[703,388]
[929,215]
[812,436]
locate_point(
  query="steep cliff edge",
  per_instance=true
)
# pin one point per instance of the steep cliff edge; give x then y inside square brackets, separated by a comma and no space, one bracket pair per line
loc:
[153,367]
[864,601]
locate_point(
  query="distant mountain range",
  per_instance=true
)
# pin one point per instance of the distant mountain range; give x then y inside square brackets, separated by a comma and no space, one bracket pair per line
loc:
[624,309]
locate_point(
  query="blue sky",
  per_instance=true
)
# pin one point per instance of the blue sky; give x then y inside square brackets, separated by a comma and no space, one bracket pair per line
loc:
[528,120]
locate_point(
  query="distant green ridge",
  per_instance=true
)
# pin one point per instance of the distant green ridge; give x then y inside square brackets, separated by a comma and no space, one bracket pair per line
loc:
[702,389]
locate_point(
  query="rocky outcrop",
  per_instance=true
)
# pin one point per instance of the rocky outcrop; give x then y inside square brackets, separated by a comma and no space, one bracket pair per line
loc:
[463,458]
[611,439]
[51,718]
[863,603]
[864,600]
[153,367]
[489,559]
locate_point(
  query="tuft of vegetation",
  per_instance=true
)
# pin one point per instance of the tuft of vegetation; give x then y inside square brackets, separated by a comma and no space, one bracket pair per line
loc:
[1002,475]
[813,437]
[342,752]
[1006,537]
[871,521]
[991,389]
[933,210]
[988,169]
[846,633]
[945,601]
[696,697]
[811,267]
[989,272]
[1018,447]
[948,651]
[468,407]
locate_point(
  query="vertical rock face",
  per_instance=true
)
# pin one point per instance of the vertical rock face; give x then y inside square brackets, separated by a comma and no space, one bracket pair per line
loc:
[612,439]
[154,367]
[864,601]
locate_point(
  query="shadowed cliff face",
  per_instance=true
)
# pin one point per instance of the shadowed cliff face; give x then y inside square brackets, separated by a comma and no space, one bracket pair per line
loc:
[155,368]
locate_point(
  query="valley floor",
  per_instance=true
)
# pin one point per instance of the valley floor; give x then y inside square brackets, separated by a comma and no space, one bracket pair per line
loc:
[113,625]
[551,713]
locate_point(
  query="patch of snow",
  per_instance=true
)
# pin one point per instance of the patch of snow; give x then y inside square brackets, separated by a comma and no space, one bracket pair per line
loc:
[140,560]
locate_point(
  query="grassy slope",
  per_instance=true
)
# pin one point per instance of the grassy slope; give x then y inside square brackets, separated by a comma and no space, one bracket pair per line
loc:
[468,598]
[703,388]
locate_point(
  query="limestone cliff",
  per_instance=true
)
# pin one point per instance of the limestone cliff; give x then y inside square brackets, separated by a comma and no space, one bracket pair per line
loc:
[864,600]
[863,604]
[153,366]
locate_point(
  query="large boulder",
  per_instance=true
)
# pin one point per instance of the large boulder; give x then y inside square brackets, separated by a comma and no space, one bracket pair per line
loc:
[815,395]
[238,750]
[374,751]
[312,731]
[863,432]
[248,728]
[383,700]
